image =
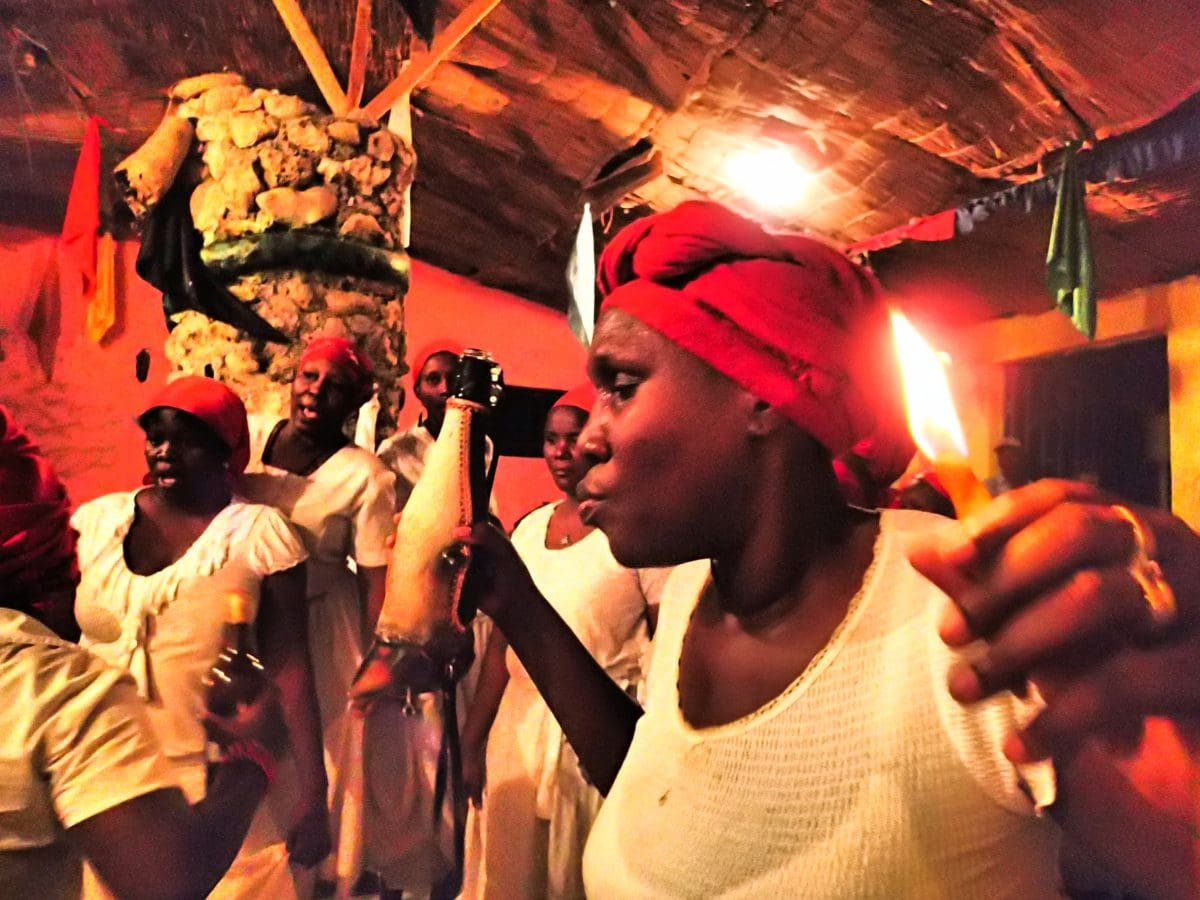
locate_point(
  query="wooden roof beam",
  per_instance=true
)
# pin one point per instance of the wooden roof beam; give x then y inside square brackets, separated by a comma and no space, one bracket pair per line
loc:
[421,66]
[666,81]
[605,193]
[314,57]
[360,48]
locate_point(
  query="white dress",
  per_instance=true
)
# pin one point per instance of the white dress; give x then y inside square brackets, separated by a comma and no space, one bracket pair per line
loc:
[167,628]
[862,779]
[343,511]
[538,806]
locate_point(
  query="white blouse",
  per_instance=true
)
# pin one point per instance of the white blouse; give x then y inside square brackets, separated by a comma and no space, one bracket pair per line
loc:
[166,628]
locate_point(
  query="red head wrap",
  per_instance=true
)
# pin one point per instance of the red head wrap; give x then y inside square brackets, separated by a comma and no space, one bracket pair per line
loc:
[790,319]
[433,348]
[582,396]
[216,406]
[346,354]
[37,543]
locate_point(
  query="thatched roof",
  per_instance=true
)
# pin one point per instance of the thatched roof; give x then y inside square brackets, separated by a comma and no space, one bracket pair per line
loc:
[900,108]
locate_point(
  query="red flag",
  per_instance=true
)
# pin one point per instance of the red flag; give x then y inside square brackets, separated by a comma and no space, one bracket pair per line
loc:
[81,226]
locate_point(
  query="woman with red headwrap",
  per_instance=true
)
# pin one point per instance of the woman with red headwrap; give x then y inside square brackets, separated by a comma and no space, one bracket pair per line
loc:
[82,774]
[156,565]
[538,806]
[433,369]
[341,499]
[798,737]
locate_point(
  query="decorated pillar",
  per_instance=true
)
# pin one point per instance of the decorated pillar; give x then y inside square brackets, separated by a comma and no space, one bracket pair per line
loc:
[267,222]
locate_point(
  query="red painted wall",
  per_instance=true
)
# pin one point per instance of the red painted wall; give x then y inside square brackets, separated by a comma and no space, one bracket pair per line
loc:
[83,415]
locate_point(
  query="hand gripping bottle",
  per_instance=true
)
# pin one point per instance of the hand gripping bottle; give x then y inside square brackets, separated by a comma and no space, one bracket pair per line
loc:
[422,640]
[237,675]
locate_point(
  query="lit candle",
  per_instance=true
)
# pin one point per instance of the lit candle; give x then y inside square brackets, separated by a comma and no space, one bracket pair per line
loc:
[932,419]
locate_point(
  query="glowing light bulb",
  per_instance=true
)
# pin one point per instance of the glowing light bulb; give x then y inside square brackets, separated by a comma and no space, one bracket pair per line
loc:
[769,177]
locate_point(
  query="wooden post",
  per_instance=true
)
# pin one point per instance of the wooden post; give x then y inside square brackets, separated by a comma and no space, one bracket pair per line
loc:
[314,57]
[400,123]
[360,49]
[421,66]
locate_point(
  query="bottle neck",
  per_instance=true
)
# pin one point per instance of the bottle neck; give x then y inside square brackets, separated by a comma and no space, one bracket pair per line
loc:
[241,637]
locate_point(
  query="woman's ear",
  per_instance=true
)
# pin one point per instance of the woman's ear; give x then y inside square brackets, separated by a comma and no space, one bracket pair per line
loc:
[764,419]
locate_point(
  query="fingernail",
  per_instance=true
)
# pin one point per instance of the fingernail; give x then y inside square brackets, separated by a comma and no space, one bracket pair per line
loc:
[1015,750]
[1021,749]
[953,628]
[965,686]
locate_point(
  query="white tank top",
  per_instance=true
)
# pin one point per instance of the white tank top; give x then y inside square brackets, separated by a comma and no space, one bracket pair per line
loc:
[862,779]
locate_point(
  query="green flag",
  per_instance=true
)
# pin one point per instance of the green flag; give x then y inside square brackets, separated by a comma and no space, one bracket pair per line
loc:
[1069,268]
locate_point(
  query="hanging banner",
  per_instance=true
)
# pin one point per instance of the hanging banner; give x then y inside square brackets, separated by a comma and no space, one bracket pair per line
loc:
[581,276]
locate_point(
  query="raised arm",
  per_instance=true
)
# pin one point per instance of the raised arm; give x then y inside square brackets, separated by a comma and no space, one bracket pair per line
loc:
[372,581]
[155,846]
[283,643]
[489,689]
[1134,813]
[1099,606]
[597,717]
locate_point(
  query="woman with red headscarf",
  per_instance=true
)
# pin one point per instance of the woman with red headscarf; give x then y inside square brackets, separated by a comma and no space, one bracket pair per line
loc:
[82,774]
[156,565]
[433,370]
[798,737]
[341,499]
[538,806]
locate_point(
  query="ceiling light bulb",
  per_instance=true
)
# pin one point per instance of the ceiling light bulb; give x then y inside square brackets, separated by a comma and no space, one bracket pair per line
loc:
[769,177]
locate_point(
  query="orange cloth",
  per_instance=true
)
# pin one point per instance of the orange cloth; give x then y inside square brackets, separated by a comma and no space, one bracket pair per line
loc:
[80,243]
[216,406]
[790,319]
[347,355]
[582,396]
[432,348]
[102,303]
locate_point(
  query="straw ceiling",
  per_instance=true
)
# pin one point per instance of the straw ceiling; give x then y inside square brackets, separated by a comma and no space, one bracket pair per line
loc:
[900,108]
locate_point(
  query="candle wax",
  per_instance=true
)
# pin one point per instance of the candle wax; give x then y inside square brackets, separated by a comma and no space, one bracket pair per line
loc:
[966,491]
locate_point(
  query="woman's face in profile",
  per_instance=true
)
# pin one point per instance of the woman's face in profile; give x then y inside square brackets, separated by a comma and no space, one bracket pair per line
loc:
[181,450]
[669,445]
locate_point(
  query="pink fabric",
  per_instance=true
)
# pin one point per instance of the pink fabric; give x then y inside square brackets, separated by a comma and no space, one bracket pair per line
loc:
[37,543]
[216,406]
[788,318]
[582,396]
[344,353]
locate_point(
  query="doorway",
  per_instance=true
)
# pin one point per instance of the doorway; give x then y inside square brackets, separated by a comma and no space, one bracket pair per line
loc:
[1098,414]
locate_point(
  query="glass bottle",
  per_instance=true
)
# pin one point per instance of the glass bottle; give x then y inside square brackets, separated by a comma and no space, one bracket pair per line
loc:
[237,675]
[422,626]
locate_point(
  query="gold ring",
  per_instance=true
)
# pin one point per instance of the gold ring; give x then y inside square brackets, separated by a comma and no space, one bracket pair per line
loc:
[1157,593]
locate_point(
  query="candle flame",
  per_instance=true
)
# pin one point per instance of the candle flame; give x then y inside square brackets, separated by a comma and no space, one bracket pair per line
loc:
[932,419]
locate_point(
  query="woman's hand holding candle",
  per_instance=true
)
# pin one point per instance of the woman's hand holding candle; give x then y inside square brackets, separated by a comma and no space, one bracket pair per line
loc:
[932,419]
[1044,577]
